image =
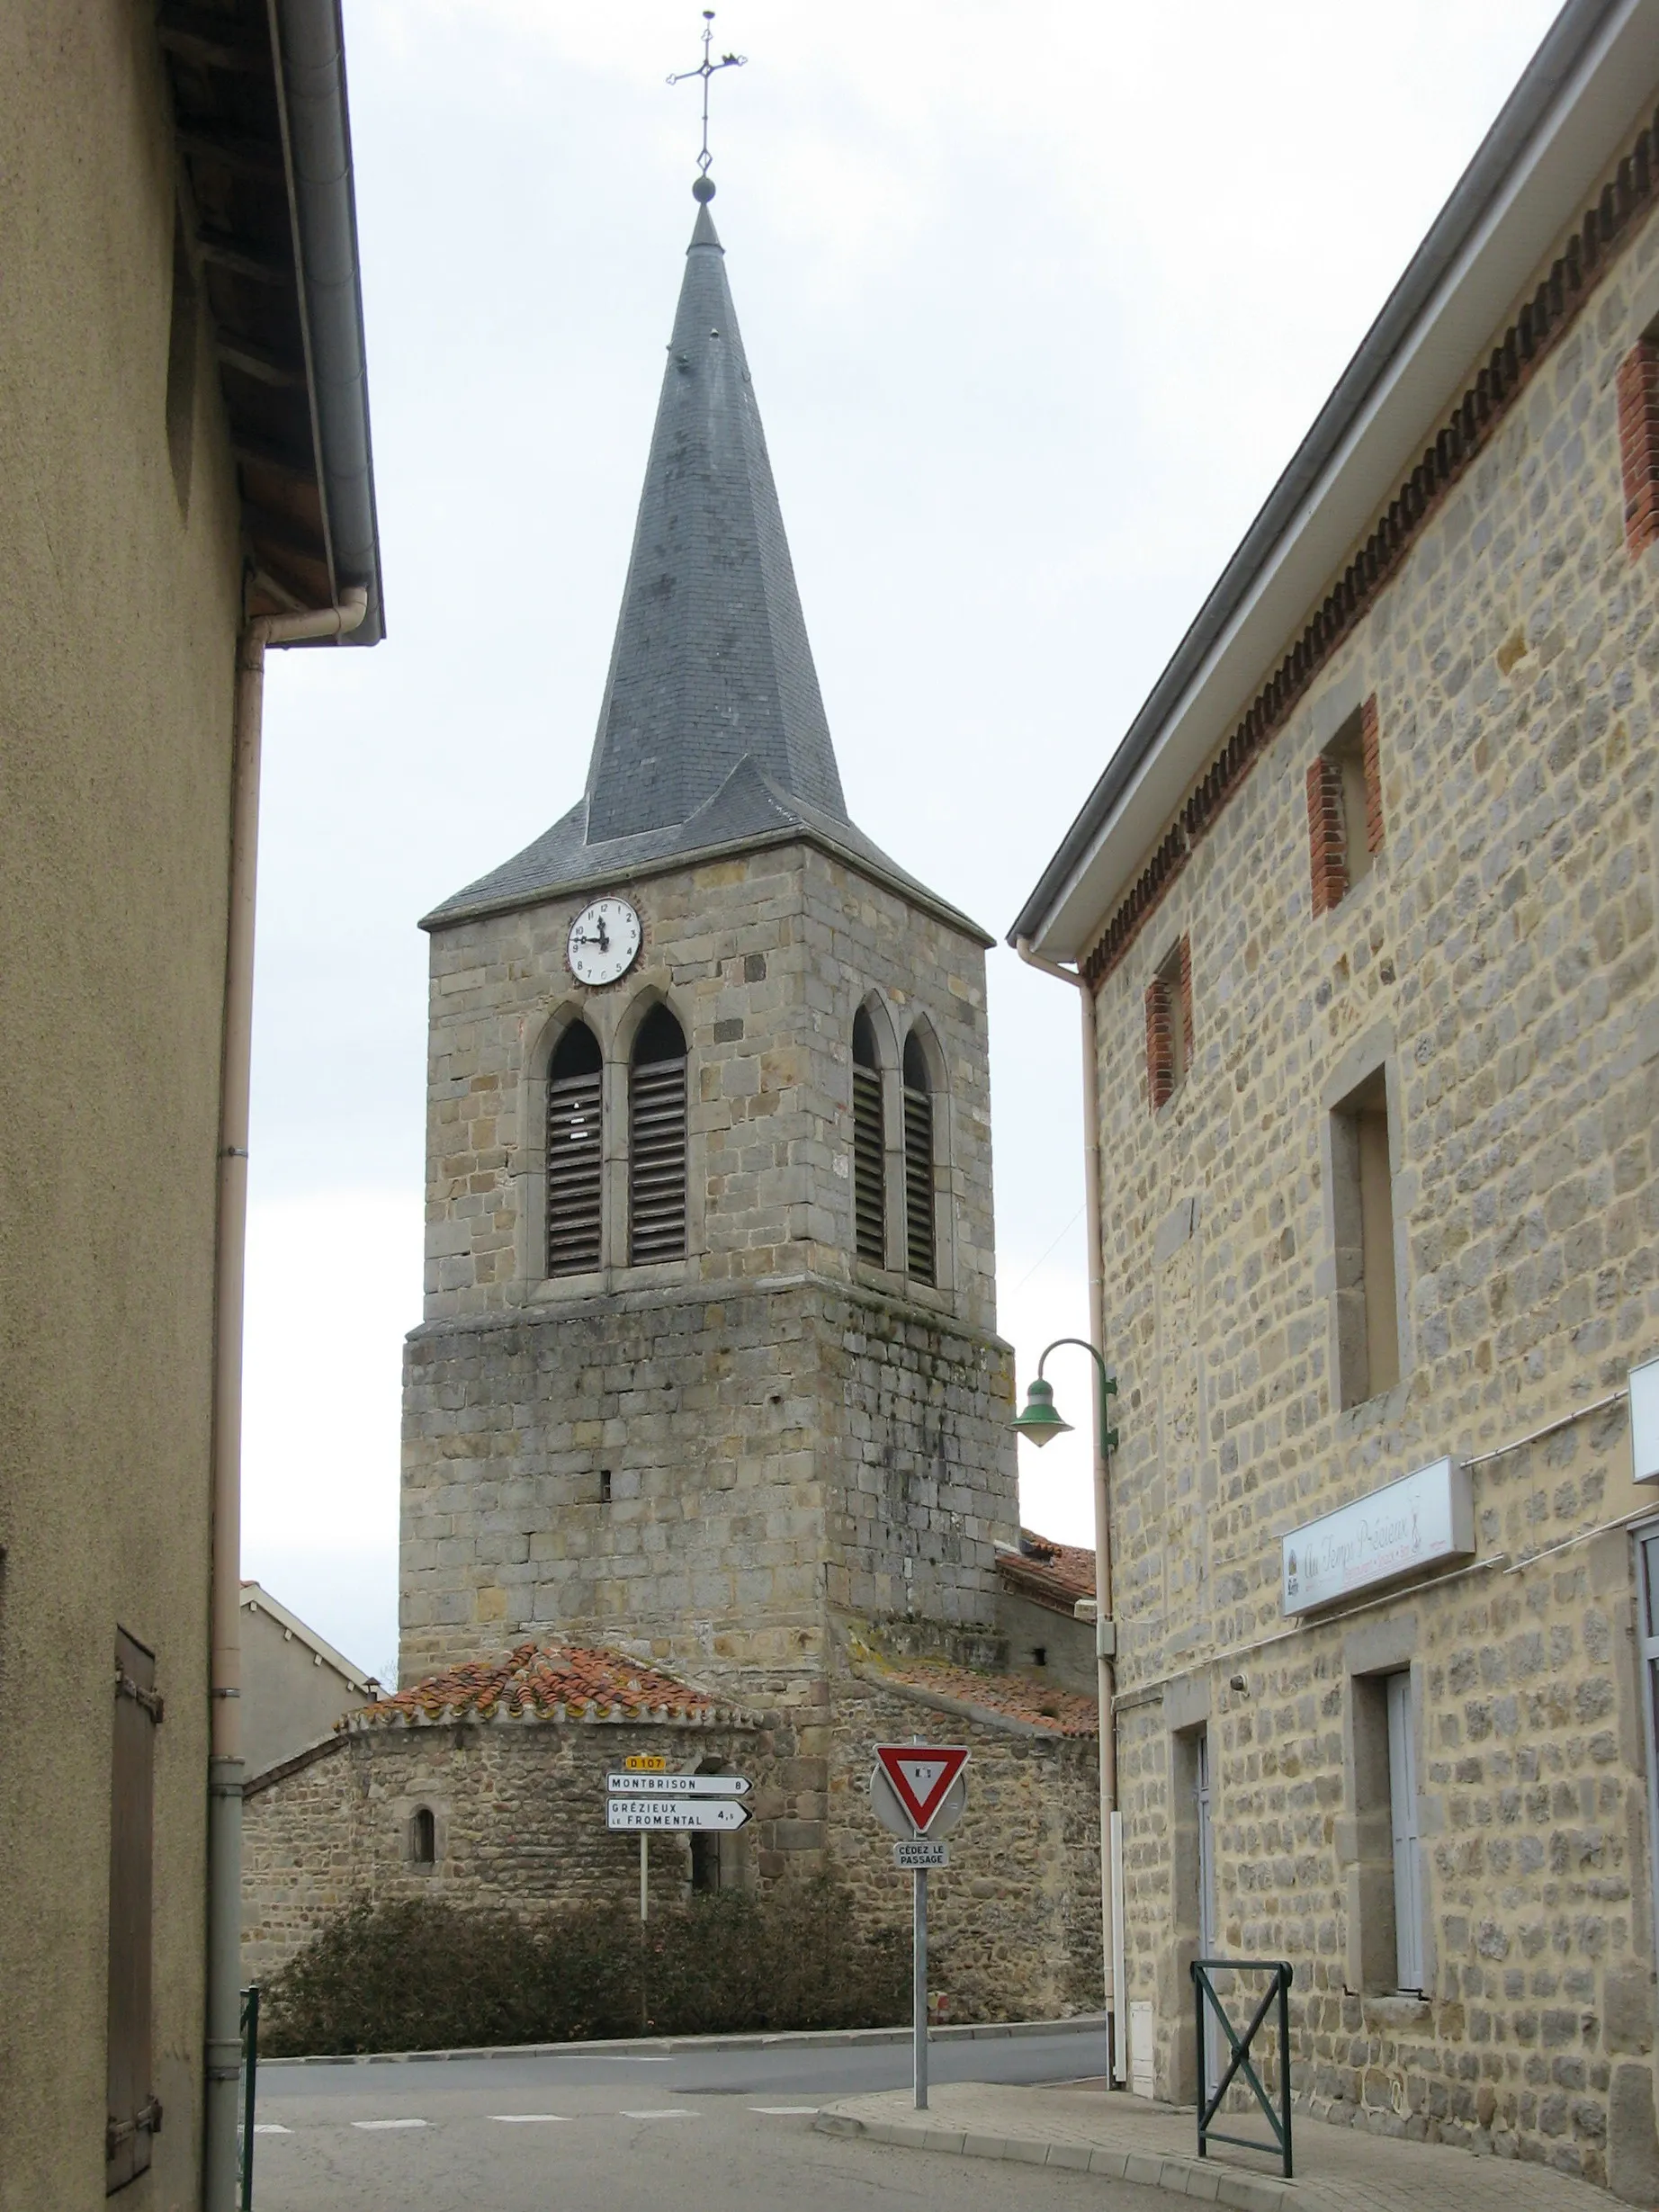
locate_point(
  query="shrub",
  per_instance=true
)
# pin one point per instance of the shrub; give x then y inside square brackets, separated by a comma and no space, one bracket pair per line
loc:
[420,1974]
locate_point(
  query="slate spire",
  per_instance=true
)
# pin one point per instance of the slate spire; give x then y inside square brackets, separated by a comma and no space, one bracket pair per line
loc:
[711,666]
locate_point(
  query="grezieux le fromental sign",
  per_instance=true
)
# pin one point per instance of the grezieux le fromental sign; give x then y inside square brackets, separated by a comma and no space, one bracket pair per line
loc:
[1424,1517]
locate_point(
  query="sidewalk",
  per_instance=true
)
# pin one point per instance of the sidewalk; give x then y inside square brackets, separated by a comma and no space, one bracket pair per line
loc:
[1125,2138]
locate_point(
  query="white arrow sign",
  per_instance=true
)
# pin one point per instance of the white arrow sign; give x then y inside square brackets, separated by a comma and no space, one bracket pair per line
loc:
[652,1813]
[676,1785]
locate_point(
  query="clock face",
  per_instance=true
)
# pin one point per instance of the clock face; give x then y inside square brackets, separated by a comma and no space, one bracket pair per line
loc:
[605,941]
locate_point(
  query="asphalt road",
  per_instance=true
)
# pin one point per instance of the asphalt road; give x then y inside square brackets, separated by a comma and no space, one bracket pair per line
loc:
[698,2131]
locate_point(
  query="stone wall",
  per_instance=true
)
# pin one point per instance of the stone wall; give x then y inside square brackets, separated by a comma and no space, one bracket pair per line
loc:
[1496,965]
[770,1452]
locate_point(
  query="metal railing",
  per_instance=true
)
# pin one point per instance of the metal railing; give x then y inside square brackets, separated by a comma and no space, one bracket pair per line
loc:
[1278,1992]
[250,2065]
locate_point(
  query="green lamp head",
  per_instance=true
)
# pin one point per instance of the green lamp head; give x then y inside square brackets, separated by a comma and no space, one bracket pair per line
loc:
[1039,1420]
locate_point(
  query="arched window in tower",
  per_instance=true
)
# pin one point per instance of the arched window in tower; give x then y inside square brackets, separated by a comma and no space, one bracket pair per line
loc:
[575,1152]
[657,1141]
[869,1161]
[919,1250]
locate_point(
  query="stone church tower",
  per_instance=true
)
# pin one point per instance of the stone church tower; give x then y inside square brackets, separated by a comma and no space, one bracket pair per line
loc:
[708,1370]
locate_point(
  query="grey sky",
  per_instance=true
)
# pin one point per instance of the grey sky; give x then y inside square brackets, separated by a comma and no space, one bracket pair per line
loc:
[1038,303]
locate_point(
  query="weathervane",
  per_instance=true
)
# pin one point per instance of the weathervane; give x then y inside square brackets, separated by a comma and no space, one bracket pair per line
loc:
[704,188]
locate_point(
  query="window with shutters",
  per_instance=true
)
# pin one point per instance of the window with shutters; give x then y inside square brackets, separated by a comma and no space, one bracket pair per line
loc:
[657,1141]
[869,1145]
[919,1228]
[1383,1847]
[134,2115]
[575,1153]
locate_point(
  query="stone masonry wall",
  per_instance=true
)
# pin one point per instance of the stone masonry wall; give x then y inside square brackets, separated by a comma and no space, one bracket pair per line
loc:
[1497,964]
[1014,1921]
[770,1452]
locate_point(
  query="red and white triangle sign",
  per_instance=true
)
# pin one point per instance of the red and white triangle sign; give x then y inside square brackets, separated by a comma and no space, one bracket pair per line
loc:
[921,1775]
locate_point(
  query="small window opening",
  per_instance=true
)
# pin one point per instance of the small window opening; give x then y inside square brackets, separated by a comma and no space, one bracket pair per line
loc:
[604,1486]
[423,1838]
[919,1228]
[705,1864]
[869,1146]
[1362,1209]
[1345,810]
[575,1152]
[183,334]
[657,1141]
[1388,1895]
[1039,1656]
[1169,1023]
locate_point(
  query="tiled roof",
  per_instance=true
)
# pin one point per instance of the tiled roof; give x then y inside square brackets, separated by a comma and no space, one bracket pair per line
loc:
[1033,1707]
[1054,1574]
[548,1682]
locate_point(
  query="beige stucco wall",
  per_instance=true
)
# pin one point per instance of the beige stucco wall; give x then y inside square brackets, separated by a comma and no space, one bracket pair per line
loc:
[291,1695]
[1498,961]
[118,615]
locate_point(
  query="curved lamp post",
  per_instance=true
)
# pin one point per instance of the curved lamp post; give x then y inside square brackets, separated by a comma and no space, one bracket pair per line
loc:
[1040,1419]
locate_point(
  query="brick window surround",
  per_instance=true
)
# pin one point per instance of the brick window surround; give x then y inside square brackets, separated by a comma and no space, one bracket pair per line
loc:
[1169,1024]
[1639,442]
[1332,823]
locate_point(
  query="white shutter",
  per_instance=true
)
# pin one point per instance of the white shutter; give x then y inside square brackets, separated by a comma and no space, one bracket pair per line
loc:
[1407,1856]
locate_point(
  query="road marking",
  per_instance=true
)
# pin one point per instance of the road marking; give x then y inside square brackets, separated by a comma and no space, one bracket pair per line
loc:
[607,2059]
[388,2123]
[784,2111]
[669,2113]
[271,2128]
[528,2119]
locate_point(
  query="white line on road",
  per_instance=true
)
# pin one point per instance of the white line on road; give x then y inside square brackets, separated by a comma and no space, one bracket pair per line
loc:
[669,2113]
[784,2111]
[388,2123]
[608,2058]
[528,2119]
[271,2128]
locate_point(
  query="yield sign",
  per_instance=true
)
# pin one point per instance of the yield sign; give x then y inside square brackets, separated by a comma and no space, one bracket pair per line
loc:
[921,1775]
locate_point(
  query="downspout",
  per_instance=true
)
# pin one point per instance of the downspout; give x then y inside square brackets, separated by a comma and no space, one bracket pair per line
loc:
[1105,1632]
[224,2041]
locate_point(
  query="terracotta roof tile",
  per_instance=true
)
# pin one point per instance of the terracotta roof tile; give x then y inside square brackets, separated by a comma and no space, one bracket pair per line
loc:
[1056,1574]
[547,1682]
[1005,1696]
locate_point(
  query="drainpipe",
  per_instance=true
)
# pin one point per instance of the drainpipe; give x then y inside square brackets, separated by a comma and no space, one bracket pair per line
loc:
[1104,1631]
[224,2040]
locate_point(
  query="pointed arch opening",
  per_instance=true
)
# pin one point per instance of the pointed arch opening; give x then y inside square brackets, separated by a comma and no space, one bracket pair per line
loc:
[575,1152]
[869,1148]
[657,1141]
[920,1255]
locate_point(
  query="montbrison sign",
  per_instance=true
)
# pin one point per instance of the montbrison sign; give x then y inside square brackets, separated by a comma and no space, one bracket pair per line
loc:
[1426,1516]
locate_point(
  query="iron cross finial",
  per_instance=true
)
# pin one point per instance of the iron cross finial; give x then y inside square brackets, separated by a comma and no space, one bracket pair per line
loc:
[704,188]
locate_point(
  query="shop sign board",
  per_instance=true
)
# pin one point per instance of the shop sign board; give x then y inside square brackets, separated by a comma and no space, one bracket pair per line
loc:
[1425,1518]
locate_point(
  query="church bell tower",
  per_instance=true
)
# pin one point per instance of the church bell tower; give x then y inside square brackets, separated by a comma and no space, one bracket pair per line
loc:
[708,1366]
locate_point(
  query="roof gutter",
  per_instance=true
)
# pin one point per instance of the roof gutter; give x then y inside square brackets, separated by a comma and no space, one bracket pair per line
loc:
[1394,386]
[309,41]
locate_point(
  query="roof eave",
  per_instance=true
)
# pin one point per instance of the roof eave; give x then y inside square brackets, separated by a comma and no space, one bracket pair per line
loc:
[1583,88]
[639,871]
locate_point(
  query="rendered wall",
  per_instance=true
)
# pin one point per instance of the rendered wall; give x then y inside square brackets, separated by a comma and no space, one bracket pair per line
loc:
[1498,960]
[118,618]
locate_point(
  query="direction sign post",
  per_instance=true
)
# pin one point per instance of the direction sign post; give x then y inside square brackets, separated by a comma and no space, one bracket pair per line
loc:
[645,1799]
[916,1786]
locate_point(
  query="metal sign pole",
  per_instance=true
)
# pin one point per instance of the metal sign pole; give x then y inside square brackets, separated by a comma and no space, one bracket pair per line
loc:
[644,1876]
[919,1994]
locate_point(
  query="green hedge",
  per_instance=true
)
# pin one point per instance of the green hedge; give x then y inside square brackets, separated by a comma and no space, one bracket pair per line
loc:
[424,1975]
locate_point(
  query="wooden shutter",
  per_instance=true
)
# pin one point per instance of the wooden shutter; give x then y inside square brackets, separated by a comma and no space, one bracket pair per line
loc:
[657,1142]
[134,2115]
[575,1154]
[918,1164]
[869,1148]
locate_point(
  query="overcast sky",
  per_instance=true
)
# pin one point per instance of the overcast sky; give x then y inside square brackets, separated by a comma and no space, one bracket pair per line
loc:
[1038,301]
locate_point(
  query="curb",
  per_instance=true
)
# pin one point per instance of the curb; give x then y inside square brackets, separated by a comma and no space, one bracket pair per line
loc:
[786,2039]
[1184,2177]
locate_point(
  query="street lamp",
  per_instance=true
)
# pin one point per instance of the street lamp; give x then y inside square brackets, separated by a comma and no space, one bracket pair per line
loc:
[1040,1419]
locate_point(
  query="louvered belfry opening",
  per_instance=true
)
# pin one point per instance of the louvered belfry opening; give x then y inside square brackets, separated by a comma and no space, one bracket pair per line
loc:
[869,1150]
[575,1153]
[917,1162]
[657,1141]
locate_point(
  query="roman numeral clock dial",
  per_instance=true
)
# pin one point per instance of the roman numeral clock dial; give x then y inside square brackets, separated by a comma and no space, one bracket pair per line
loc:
[605,942]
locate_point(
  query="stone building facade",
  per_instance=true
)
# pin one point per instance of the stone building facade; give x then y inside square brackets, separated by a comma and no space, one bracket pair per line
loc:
[1377,1036]
[708,1381]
